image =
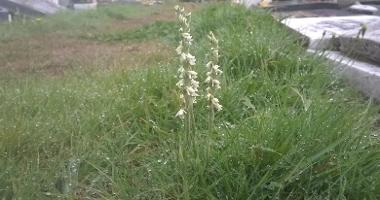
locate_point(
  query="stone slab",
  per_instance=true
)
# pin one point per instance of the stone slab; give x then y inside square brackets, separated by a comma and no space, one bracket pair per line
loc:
[42,6]
[4,13]
[289,6]
[361,48]
[339,33]
[362,76]
[320,30]
[344,3]
[364,9]
[23,9]
[85,6]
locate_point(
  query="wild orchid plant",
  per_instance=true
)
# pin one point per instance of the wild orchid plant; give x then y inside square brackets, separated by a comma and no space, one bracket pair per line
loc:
[187,83]
[187,76]
[213,84]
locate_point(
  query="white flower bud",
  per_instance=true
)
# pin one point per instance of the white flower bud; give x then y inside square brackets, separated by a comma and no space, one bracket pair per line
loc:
[192,74]
[190,91]
[215,103]
[181,113]
[187,37]
[209,96]
[194,83]
[179,83]
[215,53]
[217,70]
[209,64]
[191,59]
[181,70]
[183,57]
[216,83]
[179,48]
[208,79]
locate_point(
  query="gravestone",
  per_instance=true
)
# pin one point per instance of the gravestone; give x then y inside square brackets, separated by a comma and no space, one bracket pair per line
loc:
[251,3]
[38,6]
[361,75]
[4,13]
[363,9]
[342,33]
[85,6]
[345,35]
[365,47]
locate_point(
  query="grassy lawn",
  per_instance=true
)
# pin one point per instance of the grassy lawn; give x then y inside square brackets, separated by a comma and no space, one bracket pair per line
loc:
[92,116]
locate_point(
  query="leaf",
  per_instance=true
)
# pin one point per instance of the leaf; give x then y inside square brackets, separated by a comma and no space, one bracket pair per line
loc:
[306,102]
[247,102]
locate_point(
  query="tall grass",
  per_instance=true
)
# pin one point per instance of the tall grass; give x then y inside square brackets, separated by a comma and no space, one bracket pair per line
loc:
[289,130]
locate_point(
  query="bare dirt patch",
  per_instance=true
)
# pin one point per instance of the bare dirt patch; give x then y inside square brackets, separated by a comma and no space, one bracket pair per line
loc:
[166,13]
[53,55]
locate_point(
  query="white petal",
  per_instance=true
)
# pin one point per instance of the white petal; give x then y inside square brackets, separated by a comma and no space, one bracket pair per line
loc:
[190,91]
[183,57]
[179,83]
[215,53]
[216,83]
[208,79]
[179,48]
[181,113]
[191,59]
[217,70]
[192,74]
[218,107]
[215,103]
[181,70]
[209,96]
[195,84]
[209,64]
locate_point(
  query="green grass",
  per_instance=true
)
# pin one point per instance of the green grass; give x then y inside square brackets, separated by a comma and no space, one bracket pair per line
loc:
[72,23]
[289,130]
[159,29]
